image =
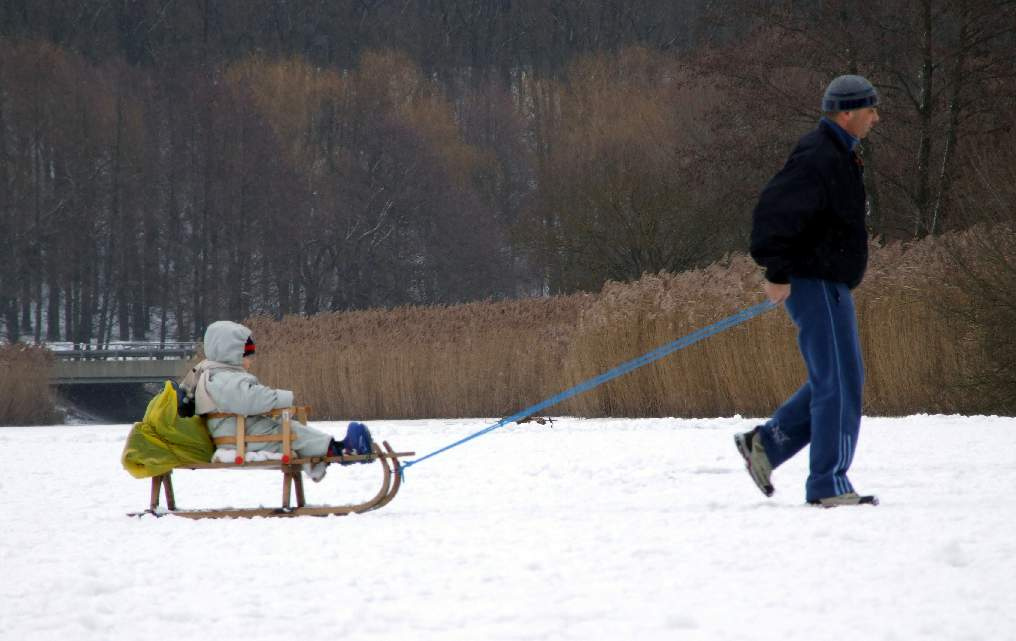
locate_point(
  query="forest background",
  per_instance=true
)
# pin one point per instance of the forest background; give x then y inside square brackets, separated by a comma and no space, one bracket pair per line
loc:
[164,164]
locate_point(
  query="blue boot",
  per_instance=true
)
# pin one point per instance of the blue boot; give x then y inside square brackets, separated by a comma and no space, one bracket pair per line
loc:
[358,441]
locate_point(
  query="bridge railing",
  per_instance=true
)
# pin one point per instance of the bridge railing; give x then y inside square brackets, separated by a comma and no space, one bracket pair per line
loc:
[123,351]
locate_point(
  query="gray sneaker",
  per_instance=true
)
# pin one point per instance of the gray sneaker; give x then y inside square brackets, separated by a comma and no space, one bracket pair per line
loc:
[749,444]
[848,498]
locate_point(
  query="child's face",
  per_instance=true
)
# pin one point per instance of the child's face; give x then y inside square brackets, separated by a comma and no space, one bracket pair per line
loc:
[247,362]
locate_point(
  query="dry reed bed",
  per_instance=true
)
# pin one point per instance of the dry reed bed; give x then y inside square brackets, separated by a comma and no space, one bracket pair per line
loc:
[495,358]
[932,319]
[478,359]
[24,379]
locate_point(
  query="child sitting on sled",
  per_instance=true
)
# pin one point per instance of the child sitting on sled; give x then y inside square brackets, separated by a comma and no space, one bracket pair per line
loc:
[222,383]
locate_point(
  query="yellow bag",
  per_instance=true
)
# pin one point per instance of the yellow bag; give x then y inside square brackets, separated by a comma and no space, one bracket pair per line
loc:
[163,440]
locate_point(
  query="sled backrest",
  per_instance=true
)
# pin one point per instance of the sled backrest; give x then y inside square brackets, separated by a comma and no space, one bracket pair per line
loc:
[242,438]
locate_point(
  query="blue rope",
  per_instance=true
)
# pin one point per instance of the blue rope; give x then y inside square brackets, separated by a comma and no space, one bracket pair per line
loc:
[620,370]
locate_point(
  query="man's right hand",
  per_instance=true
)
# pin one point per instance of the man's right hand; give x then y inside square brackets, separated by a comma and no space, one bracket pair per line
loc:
[777,292]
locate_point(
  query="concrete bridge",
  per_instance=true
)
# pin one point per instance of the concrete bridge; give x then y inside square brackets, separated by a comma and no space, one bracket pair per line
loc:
[122,363]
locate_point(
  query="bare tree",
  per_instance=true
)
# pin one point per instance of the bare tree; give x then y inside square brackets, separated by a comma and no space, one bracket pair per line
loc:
[940,66]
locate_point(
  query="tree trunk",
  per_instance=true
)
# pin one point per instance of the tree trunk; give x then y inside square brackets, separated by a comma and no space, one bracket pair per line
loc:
[35,260]
[876,220]
[53,311]
[117,274]
[955,98]
[8,259]
[925,112]
[70,295]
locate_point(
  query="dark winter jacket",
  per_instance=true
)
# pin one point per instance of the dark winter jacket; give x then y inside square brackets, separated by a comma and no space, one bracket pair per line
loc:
[810,218]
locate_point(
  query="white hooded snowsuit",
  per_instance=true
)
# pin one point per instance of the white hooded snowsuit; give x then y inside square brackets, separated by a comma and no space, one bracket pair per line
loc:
[221,384]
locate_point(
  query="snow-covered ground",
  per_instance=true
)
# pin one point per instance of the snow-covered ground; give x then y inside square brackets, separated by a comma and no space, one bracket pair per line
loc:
[590,529]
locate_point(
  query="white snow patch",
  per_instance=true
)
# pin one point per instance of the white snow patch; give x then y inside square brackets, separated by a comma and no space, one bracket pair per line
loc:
[590,529]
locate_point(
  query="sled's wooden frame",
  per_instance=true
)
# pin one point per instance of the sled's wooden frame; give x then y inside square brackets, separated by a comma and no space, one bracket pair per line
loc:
[292,474]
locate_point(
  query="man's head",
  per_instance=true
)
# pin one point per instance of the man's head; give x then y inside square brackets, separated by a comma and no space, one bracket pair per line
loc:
[850,102]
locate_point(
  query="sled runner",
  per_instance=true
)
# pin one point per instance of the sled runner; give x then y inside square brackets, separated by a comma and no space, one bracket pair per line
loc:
[292,474]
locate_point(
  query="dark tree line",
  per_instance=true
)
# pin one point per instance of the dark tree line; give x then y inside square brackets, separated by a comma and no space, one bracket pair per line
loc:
[262,187]
[442,36]
[164,163]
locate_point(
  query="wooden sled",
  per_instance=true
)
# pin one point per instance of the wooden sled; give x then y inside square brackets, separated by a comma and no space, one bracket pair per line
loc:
[292,476]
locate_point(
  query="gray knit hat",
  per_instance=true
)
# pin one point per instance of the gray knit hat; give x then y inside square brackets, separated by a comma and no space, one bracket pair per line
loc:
[849,92]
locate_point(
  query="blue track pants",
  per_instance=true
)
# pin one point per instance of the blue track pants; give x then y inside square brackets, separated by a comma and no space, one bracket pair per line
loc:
[826,411]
